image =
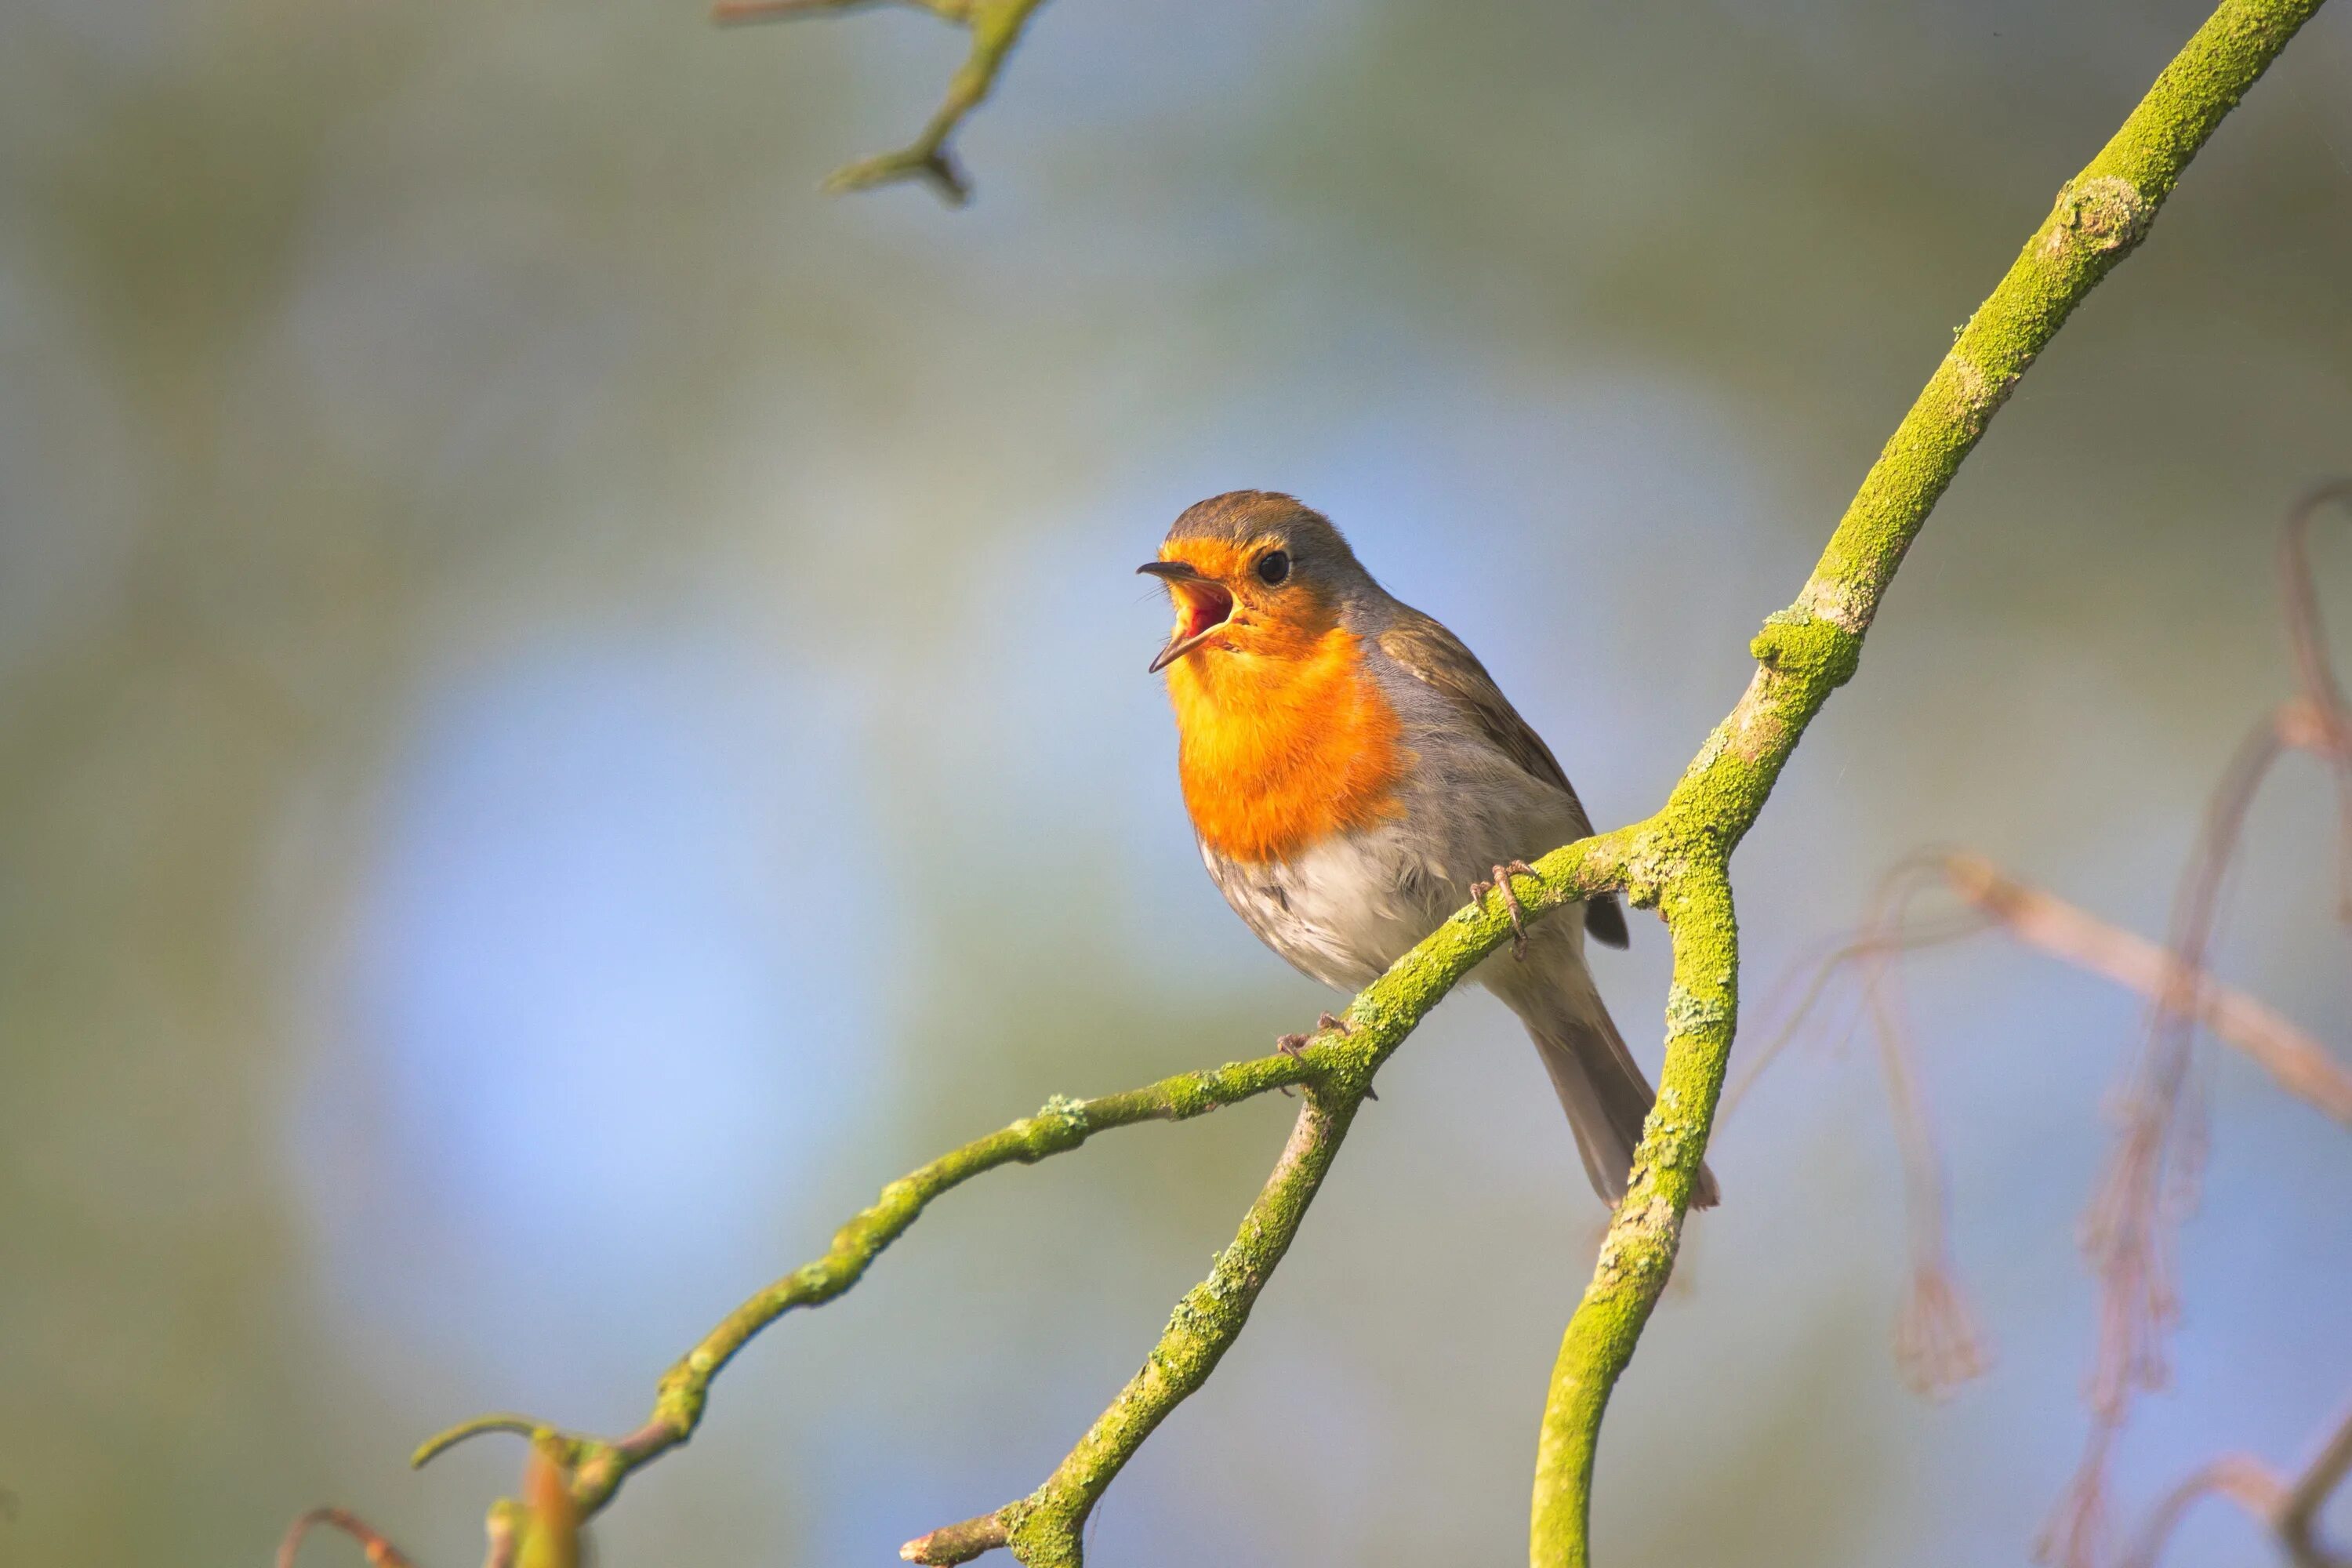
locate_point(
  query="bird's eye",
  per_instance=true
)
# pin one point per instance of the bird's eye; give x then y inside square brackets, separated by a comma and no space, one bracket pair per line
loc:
[1273,567]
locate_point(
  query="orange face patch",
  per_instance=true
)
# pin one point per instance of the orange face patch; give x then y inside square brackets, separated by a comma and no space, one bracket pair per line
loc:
[1283,737]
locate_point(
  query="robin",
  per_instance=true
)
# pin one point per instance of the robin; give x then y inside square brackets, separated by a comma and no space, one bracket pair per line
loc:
[1354,777]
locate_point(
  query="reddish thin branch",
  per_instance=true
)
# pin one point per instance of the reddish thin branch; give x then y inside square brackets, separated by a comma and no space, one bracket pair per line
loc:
[2295,1061]
[2326,721]
[954,1543]
[2289,1509]
[2151,1175]
[379,1551]
[1936,1344]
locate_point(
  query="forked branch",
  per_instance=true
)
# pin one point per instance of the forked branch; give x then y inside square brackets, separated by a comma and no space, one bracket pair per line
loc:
[995,27]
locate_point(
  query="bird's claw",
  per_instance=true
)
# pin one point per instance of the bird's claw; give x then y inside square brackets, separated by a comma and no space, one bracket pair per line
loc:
[1502,884]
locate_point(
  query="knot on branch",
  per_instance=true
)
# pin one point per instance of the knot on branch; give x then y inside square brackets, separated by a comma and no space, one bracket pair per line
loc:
[2104,214]
[1060,1123]
[1801,645]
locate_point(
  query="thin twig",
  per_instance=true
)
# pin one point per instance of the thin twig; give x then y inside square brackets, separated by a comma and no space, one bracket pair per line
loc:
[995,25]
[2296,1062]
[2289,1509]
[1936,1344]
[2151,1175]
[597,1467]
[379,1551]
[2328,722]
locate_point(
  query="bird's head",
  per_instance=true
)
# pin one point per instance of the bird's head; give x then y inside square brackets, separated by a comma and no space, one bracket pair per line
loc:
[1252,572]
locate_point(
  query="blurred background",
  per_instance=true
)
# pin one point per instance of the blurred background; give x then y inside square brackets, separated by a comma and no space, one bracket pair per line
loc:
[568,708]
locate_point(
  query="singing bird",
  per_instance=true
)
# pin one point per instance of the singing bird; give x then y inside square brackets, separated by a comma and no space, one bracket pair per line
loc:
[1354,777]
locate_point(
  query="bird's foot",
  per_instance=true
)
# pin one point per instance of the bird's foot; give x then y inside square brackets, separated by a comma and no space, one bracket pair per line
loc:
[1502,884]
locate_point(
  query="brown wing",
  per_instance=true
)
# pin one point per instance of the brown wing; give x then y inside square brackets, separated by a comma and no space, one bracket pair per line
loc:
[1437,659]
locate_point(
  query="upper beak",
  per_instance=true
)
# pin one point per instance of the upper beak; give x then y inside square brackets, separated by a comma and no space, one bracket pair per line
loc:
[1180,577]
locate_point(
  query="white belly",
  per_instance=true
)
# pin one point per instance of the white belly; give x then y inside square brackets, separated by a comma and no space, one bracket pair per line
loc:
[1342,912]
[1346,909]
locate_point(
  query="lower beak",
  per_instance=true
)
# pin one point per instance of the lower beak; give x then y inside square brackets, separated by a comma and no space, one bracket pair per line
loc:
[1178,647]
[1191,588]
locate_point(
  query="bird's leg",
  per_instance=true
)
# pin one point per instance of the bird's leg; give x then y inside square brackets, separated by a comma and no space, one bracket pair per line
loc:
[1502,884]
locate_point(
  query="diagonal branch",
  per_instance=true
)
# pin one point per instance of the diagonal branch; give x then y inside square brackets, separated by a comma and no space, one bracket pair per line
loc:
[1046,1528]
[1337,1068]
[597,1466]
[2296,1063]
[381,1552]
[995,25]
[1805,653]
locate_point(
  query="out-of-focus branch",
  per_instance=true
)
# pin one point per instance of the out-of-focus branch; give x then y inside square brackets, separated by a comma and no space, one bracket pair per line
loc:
[995,27]
[381,1552]
[2322,724]
[2151,1175]
[2296,1063]
[1936,1344]
[2289,1509]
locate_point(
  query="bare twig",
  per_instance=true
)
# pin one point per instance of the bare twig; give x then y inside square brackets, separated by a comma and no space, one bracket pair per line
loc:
[2325,726]
[995,27]
[2151,1175]
[379,1551]
[2296,1062]
[2289,1509]
[1936,1344]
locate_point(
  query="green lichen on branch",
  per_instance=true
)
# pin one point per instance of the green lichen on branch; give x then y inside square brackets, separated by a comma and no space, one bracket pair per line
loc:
[1336,1068]
[995,25]
[1805,653]
[597,1466]
[1677,862]
[1046,1528]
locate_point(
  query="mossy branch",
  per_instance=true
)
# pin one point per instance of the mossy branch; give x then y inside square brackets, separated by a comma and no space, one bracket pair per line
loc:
[1336,1068]
[1806,652]
[995,27]
[1677,862]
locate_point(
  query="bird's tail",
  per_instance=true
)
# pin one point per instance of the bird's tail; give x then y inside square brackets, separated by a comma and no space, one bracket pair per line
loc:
[1600,1086]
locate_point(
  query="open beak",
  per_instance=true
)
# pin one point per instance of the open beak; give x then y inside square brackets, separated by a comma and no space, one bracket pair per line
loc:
[1205,604]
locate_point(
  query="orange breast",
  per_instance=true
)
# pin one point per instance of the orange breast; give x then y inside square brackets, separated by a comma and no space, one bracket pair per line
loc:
[1276,752]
